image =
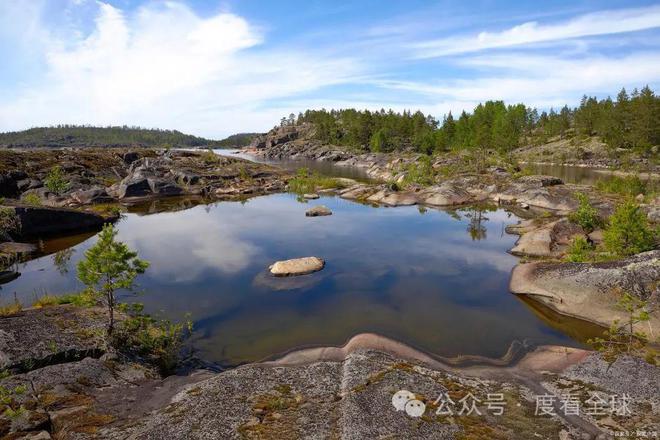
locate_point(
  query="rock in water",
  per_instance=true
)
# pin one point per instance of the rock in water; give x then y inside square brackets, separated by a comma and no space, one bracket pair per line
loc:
[311,196]
[297,266]
[318,211]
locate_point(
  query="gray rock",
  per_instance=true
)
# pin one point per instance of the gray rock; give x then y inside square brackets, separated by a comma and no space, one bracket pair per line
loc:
[541,180]
[92,195]
[317,211]
[591,290]
[164,187]
[37,221]
[311,196]
[56,334]
[26,184]
[134,187]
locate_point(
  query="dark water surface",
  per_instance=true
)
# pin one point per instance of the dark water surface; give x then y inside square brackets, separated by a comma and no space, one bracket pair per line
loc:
[434,279]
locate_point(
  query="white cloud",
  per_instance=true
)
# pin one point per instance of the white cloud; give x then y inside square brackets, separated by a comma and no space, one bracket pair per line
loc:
[165,66]
[536,80]
[599,23]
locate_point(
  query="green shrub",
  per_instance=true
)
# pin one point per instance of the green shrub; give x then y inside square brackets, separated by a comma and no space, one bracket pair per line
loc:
[579,251]
[55,180]
[585,215]
[628,232]
[9,221]
[11,309]
[210,157]
[83,299]
[420,172]
[627,186]
[31,199]
[159,341]
[306,182]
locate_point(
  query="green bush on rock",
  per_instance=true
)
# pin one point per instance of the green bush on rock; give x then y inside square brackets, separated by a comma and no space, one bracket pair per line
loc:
[585,215]
[628,232]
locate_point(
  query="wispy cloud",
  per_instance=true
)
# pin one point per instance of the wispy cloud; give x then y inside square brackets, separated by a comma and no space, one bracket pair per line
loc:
[165,66]
[598,23]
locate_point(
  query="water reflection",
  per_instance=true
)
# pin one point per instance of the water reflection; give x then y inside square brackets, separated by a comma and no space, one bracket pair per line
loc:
[325,168]
[438,281]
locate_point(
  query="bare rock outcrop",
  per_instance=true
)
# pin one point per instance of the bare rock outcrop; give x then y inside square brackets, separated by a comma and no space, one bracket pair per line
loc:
[591,290]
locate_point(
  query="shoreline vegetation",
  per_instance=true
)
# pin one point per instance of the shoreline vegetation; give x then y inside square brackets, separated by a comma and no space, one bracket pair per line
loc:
[78,375]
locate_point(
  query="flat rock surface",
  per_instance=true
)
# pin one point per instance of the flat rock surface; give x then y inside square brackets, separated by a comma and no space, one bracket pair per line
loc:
[352,398]
[297,266]
[37,337]
[591,290]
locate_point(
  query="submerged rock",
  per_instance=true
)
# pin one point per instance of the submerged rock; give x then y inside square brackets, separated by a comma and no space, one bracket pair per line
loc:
[318,211]
[297,266]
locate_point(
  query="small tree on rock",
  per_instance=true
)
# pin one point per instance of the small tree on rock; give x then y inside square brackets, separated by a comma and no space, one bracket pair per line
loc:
[621,337]
[109,266]
[628,232]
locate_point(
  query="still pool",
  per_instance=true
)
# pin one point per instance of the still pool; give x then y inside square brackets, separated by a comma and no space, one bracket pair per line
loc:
[437,280]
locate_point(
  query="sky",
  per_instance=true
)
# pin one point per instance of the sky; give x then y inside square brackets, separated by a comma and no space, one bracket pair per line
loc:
[217,67]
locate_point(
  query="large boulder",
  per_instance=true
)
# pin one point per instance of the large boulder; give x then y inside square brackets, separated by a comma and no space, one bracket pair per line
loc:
[591,290]
[133,186]
[38,221]
[297,266]
[8,186]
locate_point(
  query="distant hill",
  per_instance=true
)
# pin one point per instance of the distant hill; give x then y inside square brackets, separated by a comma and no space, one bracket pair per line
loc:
[87,136]
[237,140]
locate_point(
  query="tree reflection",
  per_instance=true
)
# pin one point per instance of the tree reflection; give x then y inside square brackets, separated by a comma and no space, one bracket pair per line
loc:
[61,260]
[476,227]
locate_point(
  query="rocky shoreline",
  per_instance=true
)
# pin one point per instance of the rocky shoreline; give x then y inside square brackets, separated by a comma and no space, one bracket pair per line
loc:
[94,185]
[70,385]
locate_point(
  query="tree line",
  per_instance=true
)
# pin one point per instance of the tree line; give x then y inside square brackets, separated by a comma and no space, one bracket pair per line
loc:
[630,121]
[89,136]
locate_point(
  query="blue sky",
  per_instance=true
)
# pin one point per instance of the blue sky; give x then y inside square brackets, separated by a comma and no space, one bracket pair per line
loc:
[213,68]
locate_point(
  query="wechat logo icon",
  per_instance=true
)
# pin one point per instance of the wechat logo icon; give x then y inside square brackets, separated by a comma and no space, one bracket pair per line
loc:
[404,400]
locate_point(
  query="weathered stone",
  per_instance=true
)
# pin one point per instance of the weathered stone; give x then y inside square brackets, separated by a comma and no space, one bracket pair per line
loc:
[591,290]
[56,334]
[541,180]
[92,195]
[26,184]
[297,266]
[164,187]
[41,221]
[186,178]
[134,187]
[311,196]
[317,211]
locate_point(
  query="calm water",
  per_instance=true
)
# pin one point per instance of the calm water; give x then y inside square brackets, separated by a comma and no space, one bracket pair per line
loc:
[436,280]
[325,168]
